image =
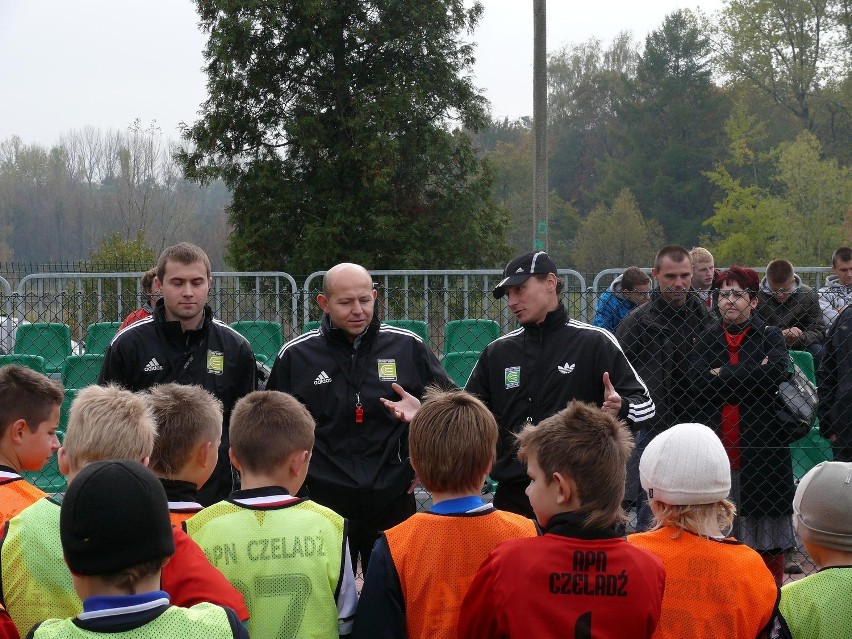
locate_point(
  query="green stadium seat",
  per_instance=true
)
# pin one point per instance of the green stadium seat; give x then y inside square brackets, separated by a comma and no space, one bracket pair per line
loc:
[99,335]
[459,365]
[813,448]
[809,451]
[35,362]
[805,361]
[309,326]
[415,326]
[469,335]
[52,341]
[81,370]
[266,338]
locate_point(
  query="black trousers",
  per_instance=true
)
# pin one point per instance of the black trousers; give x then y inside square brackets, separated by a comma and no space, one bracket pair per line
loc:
[363,533]
[511,496]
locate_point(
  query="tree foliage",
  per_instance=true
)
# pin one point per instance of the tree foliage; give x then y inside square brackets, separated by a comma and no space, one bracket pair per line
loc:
[327,120]
[585,84]
[801,216]
[94,183]
[616,235]
[798,53]
[512,165]
[672,117]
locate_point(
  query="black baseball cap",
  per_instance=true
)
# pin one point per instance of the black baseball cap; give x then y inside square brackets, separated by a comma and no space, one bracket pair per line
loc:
[520,269]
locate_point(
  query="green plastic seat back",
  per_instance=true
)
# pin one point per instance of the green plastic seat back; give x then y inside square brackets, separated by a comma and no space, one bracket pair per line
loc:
[266,338]
[469,335]
[35,362]
[99,335]
[415,326]
[50,340]
[459,365]
[82,370]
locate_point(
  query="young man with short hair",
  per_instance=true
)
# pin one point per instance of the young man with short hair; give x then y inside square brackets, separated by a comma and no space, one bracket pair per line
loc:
[534,371]
[837,292]
[658,338]
[627,291]
[183,343]
[785,302]
[703,272]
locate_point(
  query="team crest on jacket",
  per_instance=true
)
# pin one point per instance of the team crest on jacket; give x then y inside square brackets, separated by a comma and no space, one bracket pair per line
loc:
[512,376]
[215,362]
[387,370]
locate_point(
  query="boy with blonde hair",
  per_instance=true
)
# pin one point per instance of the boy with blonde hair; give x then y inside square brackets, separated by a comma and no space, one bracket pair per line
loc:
[703,273]
[105,423]
[819,606]
[116,538]
[420,569]
[289,555]
[581,578]
[29,417]
[687,475]
[189,430]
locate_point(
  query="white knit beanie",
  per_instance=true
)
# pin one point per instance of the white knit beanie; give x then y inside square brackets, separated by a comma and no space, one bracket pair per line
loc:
[822,507]
[686,465]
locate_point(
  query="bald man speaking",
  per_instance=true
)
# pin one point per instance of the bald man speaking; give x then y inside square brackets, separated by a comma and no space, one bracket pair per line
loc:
[360,465]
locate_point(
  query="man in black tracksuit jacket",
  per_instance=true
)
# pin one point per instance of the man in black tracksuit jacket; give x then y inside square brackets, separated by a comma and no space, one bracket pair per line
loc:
[183,343]
[359,466]
[534,371]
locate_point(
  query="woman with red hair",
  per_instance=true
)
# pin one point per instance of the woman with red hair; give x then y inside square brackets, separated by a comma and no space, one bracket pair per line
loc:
[735,371]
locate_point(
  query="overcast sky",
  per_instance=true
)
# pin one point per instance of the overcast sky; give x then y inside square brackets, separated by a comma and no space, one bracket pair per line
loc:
[65,64]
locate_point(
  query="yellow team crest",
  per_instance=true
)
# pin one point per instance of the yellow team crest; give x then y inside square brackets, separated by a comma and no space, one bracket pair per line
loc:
[387,370]
[215,362]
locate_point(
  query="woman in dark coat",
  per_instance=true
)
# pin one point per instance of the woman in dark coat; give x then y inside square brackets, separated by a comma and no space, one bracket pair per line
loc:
[735,371]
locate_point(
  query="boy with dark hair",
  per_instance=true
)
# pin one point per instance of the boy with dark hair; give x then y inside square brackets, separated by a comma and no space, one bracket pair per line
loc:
[785,302]
[150,295]
[189,429]
[627,291]
[407,593]
[116,538]
[687,475]
[105,423]
[581,578]
[29,417]
[819,606]
[837,292]
[289,555]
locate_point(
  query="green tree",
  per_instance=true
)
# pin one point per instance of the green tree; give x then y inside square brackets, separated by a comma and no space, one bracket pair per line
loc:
[117,254]
[327,121]
[801,217]
[797,52]
[616,236]
[672,117]
[513,167]
[817,194]
[585,82]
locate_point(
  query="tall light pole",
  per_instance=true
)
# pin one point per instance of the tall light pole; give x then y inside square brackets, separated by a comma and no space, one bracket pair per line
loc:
[540,190]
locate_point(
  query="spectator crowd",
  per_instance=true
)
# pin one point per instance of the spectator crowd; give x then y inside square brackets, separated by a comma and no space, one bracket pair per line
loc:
[200,505]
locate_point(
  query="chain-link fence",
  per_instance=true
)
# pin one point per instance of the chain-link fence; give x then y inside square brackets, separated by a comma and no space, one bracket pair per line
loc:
[705,358]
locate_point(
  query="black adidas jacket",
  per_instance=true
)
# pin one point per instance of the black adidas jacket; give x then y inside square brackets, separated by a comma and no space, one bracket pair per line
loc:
[357,468]
[154,351]
[534,371]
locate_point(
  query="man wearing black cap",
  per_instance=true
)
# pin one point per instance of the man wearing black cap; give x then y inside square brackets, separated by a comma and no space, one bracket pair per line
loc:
[534,371]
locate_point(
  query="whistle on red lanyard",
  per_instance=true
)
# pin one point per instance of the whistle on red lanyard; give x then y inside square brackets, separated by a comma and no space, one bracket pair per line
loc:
[359,410]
